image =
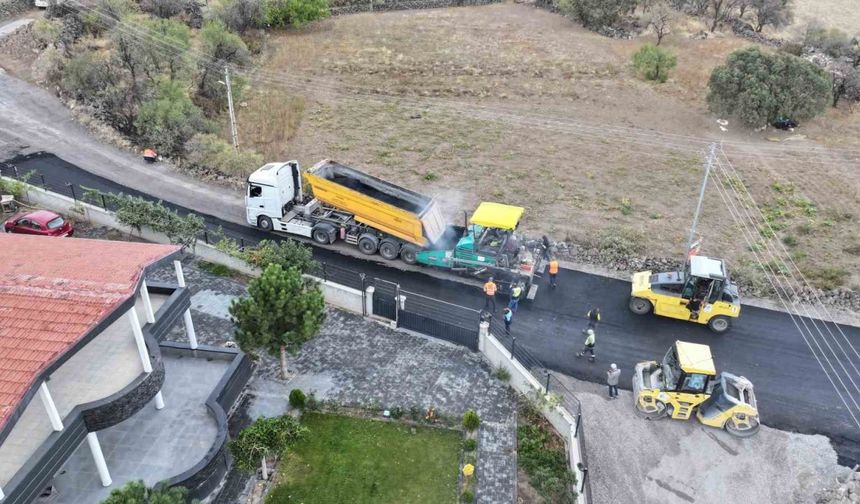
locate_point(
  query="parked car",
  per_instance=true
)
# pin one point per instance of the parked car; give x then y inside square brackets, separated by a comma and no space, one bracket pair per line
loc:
[40,222]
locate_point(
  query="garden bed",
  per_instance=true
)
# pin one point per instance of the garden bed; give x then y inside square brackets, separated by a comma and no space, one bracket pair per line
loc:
[544,473]
[349,459]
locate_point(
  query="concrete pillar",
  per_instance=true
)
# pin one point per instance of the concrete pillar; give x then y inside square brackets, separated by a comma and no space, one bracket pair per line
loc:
[138,337]
[180,278]
[159,401]
[99,458]
[50,407]
[368,300]
[189,329]
[147,303]
[483,332]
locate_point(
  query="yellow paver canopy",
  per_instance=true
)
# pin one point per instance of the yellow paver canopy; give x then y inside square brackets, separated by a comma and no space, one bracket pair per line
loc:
[497,215]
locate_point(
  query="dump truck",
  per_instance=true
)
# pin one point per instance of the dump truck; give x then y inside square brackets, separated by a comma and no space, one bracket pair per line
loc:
[345,204]
[686,382]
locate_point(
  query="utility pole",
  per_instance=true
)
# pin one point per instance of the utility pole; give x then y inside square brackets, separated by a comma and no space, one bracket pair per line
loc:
[709,163]
[230,106]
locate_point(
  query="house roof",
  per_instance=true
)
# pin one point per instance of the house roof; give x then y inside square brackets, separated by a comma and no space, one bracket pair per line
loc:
[53,291]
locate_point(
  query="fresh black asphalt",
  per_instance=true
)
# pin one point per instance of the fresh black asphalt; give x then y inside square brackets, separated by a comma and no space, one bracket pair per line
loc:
[764,345]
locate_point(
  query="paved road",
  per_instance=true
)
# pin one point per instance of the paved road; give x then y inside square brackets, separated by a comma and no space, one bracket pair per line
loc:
[764,345]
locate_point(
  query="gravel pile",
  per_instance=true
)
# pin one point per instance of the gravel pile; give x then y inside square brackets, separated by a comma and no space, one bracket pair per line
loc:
[846,492]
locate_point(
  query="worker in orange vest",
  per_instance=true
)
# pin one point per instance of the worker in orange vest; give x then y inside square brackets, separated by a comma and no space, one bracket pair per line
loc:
[553,272]
[490,294]
[150,156]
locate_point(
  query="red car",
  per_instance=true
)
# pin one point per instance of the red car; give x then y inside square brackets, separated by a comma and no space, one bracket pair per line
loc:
[40,222]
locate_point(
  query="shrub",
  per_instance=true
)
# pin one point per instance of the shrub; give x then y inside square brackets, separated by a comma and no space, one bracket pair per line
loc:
[240,15]
[264,437]
[470,444]
[396,412]
[287,253]
[46,32]
[313,404]
[138,493]
[833,42]
[546,466]
[471,420]
[298,398]
[207,152]
[169,119]
[761,88]
[654,63]
[162,8]
[776,13]
[282,13]
[502,373]
[621,241]
[468,496]
[596,14]
[415,413]
[826,278]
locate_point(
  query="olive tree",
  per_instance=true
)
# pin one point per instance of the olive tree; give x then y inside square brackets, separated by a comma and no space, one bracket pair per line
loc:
[282,311]
[760,88]
[654,63]
[169,119]
[220,48]
[775,13]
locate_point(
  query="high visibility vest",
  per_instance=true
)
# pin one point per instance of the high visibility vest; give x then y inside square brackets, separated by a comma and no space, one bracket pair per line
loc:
[553,267]
[508,315]
[490,288]
[516,291]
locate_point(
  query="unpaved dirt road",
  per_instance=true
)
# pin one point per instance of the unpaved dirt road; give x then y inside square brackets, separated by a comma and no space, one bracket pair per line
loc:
[34,120]
[675,462]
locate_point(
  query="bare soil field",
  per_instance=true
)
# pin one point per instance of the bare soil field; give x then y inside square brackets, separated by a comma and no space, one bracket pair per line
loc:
[517,105]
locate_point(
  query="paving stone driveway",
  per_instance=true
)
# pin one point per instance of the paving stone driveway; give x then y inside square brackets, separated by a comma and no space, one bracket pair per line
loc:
[357,362]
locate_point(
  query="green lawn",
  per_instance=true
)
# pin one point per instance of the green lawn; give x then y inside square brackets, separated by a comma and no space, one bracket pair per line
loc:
[352,460]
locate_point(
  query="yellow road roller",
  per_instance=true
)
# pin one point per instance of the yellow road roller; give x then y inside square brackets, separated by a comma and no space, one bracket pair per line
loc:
[686,382]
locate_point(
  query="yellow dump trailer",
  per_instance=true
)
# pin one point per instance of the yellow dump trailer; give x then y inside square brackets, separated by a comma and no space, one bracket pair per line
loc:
[383,206]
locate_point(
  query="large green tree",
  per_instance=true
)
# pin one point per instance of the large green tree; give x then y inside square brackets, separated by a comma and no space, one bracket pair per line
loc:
[760,87]
[264,438]
[136,492]
[282,311]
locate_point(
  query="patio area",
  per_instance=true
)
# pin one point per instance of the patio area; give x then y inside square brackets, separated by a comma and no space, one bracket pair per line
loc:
[152,445]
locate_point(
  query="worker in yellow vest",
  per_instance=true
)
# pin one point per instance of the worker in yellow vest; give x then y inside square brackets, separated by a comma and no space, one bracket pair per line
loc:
[516,293]
[553,272]
[490,294]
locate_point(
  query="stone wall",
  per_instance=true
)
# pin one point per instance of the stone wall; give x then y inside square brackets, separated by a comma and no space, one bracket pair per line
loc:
[129,402]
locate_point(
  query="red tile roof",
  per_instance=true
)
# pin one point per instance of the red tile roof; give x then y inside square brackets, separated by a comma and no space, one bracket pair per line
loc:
[52,292]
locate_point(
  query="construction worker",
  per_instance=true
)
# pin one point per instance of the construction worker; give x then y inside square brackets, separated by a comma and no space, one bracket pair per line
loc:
[508,317]
[612,380]
[593,317]
[490,294]
[150,156]
[694,305]
[516,293]
[553,272]
[589,345]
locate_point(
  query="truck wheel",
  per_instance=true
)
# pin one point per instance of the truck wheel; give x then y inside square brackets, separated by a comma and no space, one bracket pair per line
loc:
[368,244]
[389,250]
[640,306]
[320,236]
[264,223]
[408,254]
[719,324]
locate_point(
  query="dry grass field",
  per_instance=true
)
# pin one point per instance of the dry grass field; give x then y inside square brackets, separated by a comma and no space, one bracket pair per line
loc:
[445,102]
[842,14]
